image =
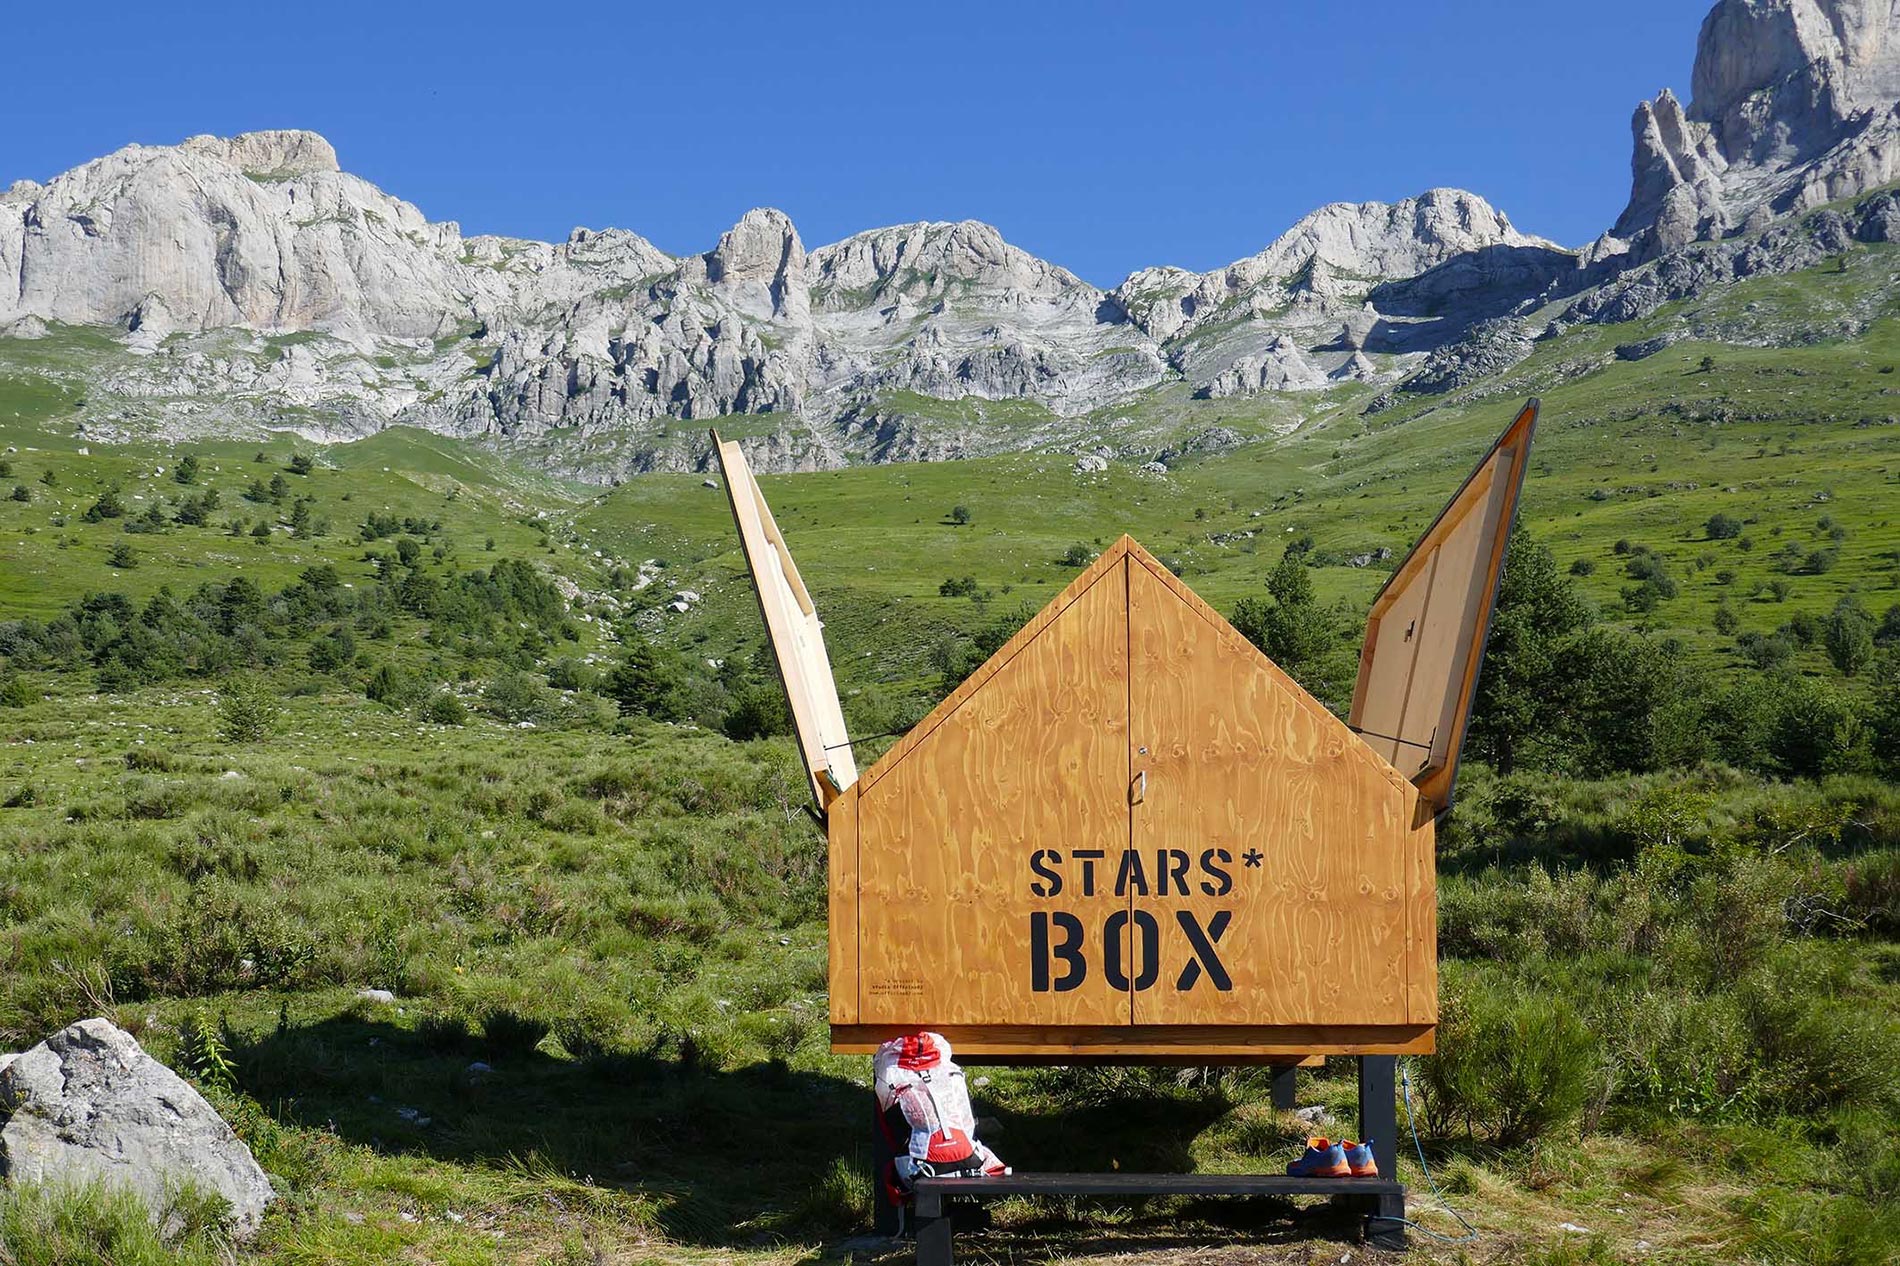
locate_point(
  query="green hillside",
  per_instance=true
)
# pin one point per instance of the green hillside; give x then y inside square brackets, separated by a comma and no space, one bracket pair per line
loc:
[453,740]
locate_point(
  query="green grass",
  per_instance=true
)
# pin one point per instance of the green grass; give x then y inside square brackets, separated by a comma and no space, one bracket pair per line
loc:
[625,919]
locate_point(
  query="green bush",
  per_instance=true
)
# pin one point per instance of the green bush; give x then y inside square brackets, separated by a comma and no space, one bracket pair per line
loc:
[1871,893]
[15,692]
[248,710]
[1513,1065]
[444,708]
[758,710]
[516,696]
[392,686]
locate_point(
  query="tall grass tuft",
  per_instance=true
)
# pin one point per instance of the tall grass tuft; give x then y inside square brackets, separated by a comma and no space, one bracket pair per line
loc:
[506,1032]
[108,1226]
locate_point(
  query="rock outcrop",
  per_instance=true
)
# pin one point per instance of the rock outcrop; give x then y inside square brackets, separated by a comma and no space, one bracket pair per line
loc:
[88,1105]
[253,283]
[1793,105]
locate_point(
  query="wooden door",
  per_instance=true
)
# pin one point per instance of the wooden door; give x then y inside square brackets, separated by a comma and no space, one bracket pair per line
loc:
[989,840]
[1276,893]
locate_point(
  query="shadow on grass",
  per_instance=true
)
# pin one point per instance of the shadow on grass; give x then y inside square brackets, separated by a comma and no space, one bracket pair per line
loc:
[727,1157]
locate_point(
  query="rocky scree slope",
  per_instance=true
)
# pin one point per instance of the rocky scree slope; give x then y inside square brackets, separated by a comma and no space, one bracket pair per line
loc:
[254,283]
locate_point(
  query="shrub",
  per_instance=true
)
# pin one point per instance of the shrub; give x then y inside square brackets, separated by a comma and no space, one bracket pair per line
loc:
[1515,1065]
[516,696]
[442,1032]
[1765,651]
[15,692]
[392,686]
[444,708]
[1723,527]
[568,673]
[506,1032]
[1294,630]
[109,506]
[1848,633]
[758,710]
[248,710]
[1819,1053]
[1816,729]
[648,681]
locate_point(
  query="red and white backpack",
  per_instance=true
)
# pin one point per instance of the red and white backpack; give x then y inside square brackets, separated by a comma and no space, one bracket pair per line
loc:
[924,1110]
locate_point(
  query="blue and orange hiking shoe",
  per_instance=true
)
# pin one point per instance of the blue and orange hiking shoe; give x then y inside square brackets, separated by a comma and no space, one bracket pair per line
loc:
[1360,1160]
[1323,1159]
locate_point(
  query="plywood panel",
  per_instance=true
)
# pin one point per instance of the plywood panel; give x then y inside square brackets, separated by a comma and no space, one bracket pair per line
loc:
[1387,664]
[1290,833]
[841,864]
[1154,1043]
[1421,972]
[988,846]
[1425,634]
[1110,561]
[793,629]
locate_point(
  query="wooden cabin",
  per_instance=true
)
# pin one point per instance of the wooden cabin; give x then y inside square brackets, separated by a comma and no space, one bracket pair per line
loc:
[1129,835]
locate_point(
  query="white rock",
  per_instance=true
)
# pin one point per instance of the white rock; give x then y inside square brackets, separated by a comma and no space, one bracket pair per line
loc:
[89,1105]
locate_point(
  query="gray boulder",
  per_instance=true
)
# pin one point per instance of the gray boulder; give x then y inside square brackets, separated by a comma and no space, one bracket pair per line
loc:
[89,1105]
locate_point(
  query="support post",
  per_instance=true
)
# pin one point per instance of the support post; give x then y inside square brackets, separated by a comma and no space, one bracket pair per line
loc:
[933,1230]
[886,1217]
[1379,1122]
[1286,1086]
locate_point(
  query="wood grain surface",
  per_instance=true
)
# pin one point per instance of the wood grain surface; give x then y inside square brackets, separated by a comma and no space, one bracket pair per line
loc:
[1265,1044]
[1259,890]
[1036,758]
[1314,823]
[1425,634]
[793,630]
[841,865]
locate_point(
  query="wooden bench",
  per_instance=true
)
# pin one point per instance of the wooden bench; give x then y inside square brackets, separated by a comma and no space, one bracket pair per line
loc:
[1382,1198]
[1378,1197]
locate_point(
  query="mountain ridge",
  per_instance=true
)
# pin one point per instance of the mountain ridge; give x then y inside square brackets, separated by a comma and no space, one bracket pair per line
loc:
[254,283]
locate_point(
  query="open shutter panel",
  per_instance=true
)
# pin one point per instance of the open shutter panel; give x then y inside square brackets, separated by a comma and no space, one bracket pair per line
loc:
[1418,668]
[795,632]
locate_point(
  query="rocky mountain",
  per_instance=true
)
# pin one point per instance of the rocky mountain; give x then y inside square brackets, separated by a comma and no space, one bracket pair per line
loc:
[1796,103]
[252,283]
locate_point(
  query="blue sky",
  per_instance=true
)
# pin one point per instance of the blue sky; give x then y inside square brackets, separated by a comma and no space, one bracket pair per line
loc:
[1103,136]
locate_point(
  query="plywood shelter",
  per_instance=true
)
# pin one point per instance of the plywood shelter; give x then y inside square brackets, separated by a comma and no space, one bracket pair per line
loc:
[1131,835]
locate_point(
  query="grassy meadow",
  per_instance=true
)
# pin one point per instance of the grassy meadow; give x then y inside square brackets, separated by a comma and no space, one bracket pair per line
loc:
[526,805]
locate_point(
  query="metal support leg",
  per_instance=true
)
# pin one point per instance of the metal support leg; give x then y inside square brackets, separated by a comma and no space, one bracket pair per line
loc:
[886,1217]
[1286,1086]
[933,1230]
[1379,1122]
